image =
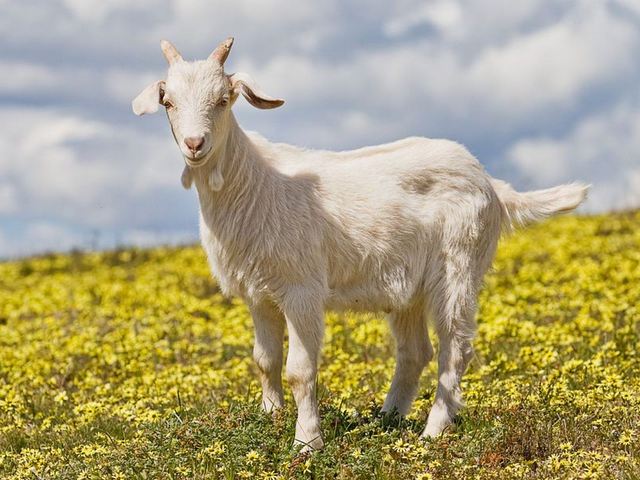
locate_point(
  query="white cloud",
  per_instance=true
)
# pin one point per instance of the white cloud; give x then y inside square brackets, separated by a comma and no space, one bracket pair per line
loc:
[158,237]
[442,14]
[40,237]
[532,75]
[603,149]
[96,11]
[51,236]
[87,87]
[8,199]
[554,65]
[72,168]
[123,85]
[632,5]
[424,86]
[20,76]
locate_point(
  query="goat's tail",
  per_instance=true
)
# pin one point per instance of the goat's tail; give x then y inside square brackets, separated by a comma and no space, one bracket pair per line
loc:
[523,208]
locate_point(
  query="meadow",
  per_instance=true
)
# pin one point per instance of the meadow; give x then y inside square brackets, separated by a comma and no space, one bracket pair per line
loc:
[130,364]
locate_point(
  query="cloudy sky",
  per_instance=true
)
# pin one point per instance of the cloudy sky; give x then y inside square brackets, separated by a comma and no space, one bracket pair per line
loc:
[541,91]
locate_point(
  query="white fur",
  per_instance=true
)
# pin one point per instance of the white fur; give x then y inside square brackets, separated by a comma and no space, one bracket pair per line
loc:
[408,228]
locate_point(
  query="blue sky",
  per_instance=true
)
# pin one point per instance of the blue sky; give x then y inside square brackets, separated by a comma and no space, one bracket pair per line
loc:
[541,91]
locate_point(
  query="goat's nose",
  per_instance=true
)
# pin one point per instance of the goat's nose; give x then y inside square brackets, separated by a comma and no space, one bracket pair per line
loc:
[194,143]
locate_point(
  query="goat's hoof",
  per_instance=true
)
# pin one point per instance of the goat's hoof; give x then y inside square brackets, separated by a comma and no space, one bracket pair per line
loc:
[310,446]
[432,432]
[391,418]
[427,437]
[271,408]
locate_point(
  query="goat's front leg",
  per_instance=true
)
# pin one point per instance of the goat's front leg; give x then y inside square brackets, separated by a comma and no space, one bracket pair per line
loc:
[305,324]
[268,322]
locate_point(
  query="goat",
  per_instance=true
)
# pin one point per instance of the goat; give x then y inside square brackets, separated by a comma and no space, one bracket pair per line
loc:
[408,228]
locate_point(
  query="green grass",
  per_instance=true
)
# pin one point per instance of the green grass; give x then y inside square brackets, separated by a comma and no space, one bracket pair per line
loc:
[130,364]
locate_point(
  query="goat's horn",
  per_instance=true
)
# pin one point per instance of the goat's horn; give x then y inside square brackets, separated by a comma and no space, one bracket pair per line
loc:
[170,52]
[221,52]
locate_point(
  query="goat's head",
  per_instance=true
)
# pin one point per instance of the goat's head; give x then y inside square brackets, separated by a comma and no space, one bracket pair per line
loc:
[198,97]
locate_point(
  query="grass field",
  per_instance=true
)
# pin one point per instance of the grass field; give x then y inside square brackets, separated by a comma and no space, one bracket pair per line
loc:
[130,364]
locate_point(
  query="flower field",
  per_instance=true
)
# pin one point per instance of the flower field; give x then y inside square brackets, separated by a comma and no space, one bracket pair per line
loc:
[130,364]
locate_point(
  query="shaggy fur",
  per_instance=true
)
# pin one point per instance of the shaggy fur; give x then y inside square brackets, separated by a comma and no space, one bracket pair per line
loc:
[408,228]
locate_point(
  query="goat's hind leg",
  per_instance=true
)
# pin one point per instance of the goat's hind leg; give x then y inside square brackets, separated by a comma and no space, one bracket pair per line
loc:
[413,352]
[454,319]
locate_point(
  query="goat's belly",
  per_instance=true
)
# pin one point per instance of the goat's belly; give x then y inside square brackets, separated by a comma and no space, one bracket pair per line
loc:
[372,288]
[361,299]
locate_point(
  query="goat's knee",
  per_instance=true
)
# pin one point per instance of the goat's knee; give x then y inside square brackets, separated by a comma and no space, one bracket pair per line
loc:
[426,351]
[415,355]
[300,375]
[413,361]
[270,367]
[267,361]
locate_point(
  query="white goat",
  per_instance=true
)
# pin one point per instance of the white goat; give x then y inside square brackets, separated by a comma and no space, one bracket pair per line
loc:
[408,228]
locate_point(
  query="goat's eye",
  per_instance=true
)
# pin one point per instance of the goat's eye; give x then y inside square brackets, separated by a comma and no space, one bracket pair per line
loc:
[223,102]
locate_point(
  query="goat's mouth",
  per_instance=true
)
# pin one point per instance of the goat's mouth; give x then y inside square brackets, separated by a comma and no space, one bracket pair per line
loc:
[198,159]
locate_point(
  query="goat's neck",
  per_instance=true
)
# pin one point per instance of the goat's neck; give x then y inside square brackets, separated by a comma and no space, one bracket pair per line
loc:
[244,174]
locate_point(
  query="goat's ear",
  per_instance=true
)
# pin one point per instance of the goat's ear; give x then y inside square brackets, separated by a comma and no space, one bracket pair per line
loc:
[149,99]
[244,84]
